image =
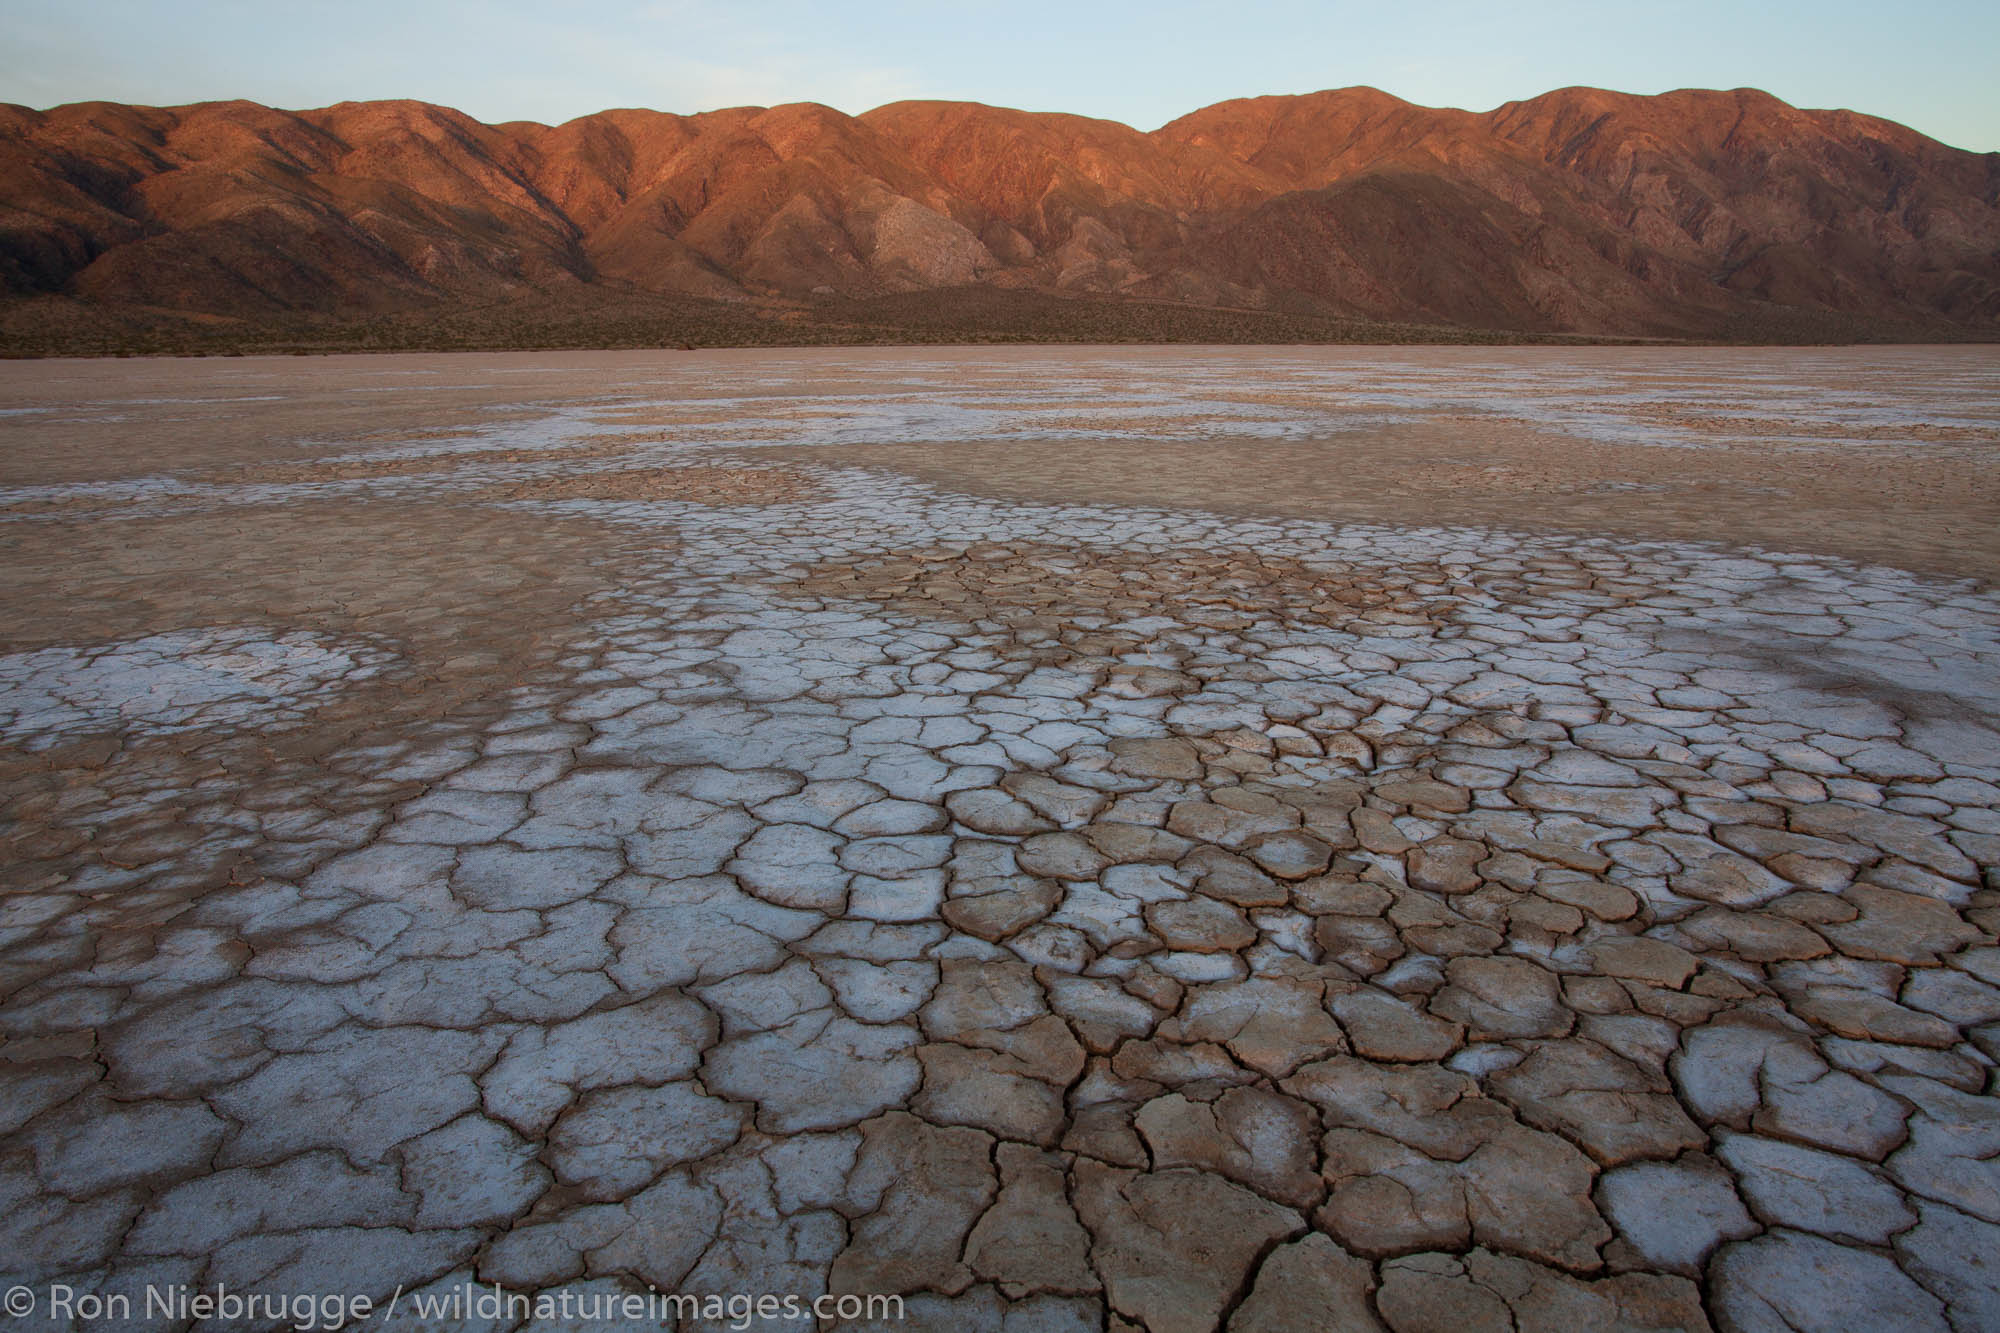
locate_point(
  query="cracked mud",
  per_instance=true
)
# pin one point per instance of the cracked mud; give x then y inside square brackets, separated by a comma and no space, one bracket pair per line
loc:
[609,826]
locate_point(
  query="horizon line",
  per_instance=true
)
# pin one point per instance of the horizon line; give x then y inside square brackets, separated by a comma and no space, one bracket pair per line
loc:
[990,106]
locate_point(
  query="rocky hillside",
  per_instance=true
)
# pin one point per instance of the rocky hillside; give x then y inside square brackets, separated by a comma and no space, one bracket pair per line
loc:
[1706,214]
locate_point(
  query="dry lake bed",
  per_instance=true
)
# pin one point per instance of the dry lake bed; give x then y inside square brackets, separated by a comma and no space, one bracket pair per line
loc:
[1166,839]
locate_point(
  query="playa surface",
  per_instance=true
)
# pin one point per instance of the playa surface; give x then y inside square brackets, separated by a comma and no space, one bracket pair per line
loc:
[1076,838]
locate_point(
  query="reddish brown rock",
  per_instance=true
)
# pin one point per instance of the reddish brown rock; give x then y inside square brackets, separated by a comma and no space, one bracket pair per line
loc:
[1532,217]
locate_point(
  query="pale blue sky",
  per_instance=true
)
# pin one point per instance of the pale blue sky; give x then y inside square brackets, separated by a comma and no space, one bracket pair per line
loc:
[1930,65]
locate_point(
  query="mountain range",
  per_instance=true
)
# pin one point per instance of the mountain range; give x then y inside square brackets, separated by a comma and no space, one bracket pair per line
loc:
[1693,214]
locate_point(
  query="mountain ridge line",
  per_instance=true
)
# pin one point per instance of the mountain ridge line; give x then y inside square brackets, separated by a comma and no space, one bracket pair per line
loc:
[1695,214]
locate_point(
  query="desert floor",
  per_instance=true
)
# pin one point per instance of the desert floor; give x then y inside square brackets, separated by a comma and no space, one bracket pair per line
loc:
[1438,839]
